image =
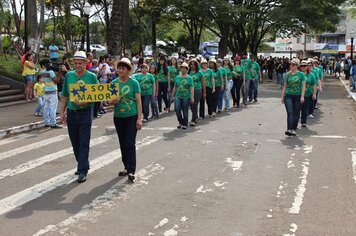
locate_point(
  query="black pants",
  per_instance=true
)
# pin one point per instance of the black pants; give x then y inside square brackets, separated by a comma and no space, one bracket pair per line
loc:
[163,93]
[236,90]
[214,104]
[308,101]
[209,102]
[126,130]
[270,74]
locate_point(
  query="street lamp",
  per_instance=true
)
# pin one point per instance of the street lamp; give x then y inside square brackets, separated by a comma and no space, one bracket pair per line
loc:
[87,10]
[352,35]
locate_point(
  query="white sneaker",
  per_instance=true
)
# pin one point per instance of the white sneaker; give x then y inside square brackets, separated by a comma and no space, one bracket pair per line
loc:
[311,116]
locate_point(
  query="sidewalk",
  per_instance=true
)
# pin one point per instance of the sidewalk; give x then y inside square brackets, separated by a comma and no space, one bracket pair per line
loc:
[346,84]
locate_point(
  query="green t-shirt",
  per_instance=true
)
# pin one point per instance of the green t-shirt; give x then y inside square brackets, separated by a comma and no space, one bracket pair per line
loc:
[247,64]
[173,72]
[321,71]
[127,107]
[294,83]
[223,75]
[228,72]
[315,71]
[183,86]
[238,70]
[197,76]
[217,77]
[146,82]
[310,82]
[161,76]
[256,69]
[71,78]
[208,77]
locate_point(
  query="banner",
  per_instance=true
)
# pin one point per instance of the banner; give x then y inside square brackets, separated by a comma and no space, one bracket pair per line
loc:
[93,92]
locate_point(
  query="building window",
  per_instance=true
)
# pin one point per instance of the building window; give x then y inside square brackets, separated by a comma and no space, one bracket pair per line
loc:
[299,40]
[308,39]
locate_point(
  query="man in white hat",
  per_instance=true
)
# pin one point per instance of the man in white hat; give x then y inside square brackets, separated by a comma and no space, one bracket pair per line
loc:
[78,115]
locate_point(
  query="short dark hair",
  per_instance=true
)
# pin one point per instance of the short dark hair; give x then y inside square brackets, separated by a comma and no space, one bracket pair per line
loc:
[123,65]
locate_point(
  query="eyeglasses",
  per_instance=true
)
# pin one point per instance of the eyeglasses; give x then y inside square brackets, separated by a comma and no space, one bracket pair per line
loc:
[303,65]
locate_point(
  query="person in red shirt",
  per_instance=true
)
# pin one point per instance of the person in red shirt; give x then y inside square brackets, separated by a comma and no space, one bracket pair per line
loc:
[90,61]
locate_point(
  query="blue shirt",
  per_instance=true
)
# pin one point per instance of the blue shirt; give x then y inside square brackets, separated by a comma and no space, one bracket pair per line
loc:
[53,54]
[48,77]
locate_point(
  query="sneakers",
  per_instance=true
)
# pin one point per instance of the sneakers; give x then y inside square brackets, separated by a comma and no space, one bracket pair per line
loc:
[225,109]
[37,114]
[184,127]
[288,132]
[56,127]
[214,114]
[192,123]
[293,133]
[304,125]
[81,178]
[144,120]
[131,177]
[123,173]
[311,116]
[179,126]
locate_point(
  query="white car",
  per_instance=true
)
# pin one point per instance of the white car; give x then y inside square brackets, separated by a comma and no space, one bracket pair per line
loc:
[97,47]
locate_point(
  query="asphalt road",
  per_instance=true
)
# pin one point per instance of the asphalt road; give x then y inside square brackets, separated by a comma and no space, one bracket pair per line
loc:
[236,174]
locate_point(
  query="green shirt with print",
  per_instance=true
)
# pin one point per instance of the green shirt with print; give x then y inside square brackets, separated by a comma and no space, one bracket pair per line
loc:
[255,69]
[126,106]
[208,77]
[321,71]
[71,78]
[197,76]
[238,70]
[217,77]
[247,64]
[183,86]
[223,75]
[146,82]
[228,72]
[173,72]
[310,82]
[161,76]
[294,83]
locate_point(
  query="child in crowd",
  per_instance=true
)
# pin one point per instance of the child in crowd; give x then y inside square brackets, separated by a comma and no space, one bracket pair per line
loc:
[38,91]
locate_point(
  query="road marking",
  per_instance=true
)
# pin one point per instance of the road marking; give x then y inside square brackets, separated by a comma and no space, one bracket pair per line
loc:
[235,165]
[329,136]
[298,199]
[354,164]
[108,200]
[200,189]
[161,223]
[36,191]
[16,138]
[148,128]
[293,229]
[32,146]
[48,158]
[172,231]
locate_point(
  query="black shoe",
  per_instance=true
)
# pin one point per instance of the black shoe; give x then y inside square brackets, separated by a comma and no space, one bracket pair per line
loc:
[76,173]
[131,177]
[56,127]
[184,127]
[288,133]
[123,173]
[81,178]
[179,126]
[304,125]
[47,126]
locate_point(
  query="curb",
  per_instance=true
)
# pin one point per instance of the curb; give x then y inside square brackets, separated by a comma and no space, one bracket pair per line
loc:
[5,133]
[351,94]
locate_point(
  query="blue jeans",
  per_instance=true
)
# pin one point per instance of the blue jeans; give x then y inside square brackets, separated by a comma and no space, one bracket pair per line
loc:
[279,78]
[308,101]
[50,109]
[194,106]
[227,94]
[220,98]
[79,130]
[146,100]
[246,90]
[253,90]
[354,81]
[29,78]
[127,131]
[292,104]
[181,106]
[40,104]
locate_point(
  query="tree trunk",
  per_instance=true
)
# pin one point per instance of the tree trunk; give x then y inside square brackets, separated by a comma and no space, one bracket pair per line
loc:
[115,39]
[126,26]
[153,31]
[42,24]
[67,16]
[16,17]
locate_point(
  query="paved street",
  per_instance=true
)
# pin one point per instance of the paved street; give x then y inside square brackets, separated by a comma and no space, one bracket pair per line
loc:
[236,175]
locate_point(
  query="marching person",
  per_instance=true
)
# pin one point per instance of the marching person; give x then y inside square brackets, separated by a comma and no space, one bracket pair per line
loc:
[183,93]
[148,89]
[210,89]
[78,115]
[247,64]
[238,80]
[199,89]
[293,96]
[127,116]
[217,78]
[228,68]
[256,77]
[310,91]
[223,85]
[164,84]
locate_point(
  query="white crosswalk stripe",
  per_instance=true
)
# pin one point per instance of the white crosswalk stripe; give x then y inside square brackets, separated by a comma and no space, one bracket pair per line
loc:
[20,198]
[32,146]
[48,158]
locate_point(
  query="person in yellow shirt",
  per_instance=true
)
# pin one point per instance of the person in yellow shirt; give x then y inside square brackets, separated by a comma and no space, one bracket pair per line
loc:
[38,91]
[29,71]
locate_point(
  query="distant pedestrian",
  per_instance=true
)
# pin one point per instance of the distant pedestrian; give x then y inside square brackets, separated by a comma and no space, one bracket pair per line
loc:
[227,93]
[199,89]
[127,116]
[53,52]
[353,75]
[38,90]
[78,115]
[50,94]
[164,84]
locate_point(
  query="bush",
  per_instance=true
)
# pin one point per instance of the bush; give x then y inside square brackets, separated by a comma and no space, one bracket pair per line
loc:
[6,42]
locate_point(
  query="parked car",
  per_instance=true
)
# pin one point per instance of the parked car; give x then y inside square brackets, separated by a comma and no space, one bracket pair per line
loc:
[97,47]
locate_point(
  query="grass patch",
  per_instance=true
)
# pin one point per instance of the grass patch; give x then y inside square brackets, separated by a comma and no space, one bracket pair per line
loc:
[10,69]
